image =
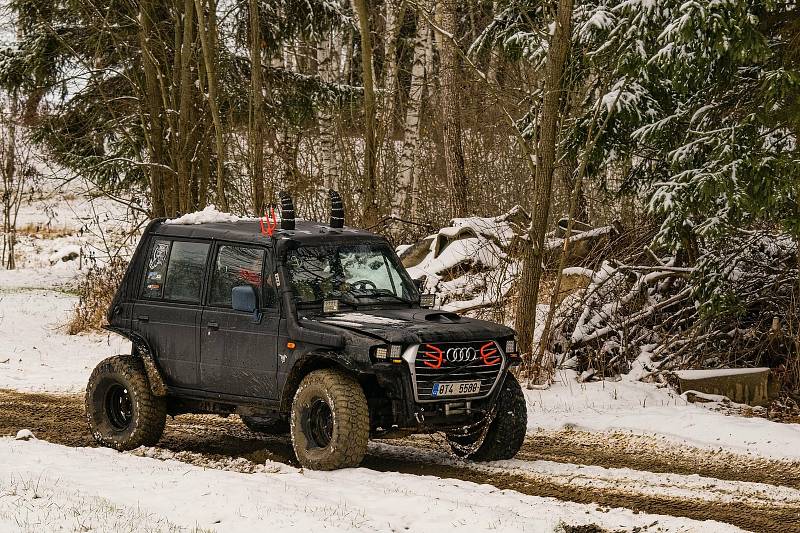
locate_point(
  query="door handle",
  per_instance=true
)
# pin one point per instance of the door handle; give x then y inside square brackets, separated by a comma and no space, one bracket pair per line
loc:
[213,325]
[143,318]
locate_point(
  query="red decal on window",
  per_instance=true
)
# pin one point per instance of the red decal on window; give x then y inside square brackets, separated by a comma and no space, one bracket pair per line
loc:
[489,354]
[435,355]
[253,278]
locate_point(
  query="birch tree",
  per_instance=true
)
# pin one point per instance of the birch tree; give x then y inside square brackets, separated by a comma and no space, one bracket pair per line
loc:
[409,169]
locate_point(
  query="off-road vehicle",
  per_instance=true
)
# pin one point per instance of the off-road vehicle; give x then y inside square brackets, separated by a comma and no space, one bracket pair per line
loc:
[310,329]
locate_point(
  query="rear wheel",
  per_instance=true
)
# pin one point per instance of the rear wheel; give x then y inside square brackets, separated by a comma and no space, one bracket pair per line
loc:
[266,425]
[121,410]
[505,434]
[330,421]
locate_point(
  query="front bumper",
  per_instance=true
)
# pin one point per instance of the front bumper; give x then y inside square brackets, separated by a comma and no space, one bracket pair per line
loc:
[398,409]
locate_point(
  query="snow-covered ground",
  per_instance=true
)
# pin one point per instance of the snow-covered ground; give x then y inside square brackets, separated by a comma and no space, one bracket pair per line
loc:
[46,487]
[36,354]
[642,408]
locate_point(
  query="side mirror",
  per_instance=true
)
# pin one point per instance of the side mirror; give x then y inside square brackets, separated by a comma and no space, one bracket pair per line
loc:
[419,284]
[243,298]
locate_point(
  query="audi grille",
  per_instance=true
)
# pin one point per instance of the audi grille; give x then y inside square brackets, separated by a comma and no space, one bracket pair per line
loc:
[454,362]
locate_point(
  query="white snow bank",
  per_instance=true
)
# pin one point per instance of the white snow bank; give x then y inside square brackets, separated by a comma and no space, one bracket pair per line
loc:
[57,487]
[644,409]
[36,354]
[208,215]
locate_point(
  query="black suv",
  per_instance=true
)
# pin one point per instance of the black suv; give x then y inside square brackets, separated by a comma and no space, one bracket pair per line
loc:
[308,329]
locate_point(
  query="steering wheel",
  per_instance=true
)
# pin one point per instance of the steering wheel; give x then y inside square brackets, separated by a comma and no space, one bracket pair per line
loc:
[363,284]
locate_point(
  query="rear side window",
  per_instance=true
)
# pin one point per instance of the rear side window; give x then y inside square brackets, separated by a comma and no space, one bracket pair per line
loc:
[175,271]
[236,266]
[156,270]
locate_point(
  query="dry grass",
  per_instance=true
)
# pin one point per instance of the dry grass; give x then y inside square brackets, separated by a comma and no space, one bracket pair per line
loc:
[95,294]
[44,231]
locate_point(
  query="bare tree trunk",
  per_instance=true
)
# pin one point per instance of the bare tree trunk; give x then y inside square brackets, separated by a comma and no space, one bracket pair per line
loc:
[394,13]
[370,216]
[411,129]
[451,95]
[256,143]
[209,45]
[153,128]
[543,188]
[185,118]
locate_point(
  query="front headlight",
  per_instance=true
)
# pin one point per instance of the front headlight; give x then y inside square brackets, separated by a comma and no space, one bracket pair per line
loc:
[511,346]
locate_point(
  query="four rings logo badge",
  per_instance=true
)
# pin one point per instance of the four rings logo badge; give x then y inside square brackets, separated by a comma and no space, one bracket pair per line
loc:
[461,355]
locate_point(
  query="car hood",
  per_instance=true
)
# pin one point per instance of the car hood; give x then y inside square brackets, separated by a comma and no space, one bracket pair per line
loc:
[411,326]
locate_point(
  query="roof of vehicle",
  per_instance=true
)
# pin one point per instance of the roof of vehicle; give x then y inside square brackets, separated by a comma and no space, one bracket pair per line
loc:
[305,232]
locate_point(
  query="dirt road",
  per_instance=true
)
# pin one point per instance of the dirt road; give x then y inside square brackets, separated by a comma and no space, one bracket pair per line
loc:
[610,470]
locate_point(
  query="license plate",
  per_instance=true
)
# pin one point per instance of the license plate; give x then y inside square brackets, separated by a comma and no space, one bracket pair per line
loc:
[455,389]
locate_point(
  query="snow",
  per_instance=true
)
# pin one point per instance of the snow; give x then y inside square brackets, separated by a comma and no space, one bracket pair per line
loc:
[643,409]
[24,434]
[67,253]
[359,319]
[208,215]
[36,354]
[52,487]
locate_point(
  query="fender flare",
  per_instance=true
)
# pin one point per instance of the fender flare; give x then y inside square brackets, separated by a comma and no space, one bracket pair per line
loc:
[142,350]
[309,363]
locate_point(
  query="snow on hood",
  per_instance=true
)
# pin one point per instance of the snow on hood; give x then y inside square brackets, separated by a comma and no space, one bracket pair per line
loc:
[359,319]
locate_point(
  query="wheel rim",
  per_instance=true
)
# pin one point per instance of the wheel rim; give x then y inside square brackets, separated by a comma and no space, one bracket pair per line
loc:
[119,408]
[318,423]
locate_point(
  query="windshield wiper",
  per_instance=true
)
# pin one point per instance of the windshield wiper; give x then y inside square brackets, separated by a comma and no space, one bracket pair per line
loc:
[383,293]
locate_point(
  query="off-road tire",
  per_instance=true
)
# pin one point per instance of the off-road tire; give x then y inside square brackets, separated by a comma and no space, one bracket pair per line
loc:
[148,413]
[349,421]
[266,425]
[506,433]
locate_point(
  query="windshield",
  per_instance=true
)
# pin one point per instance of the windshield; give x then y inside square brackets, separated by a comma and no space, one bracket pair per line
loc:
[355,274]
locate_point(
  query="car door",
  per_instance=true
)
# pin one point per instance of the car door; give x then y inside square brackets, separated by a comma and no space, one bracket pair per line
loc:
[238,349]
[167,312]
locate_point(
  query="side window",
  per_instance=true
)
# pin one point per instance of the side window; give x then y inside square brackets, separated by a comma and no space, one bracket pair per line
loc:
[155,270]
[236,266]
[187,260]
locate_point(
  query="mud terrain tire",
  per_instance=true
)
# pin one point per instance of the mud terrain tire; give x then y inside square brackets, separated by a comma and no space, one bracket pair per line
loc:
[330,421]
[505,434]
[120,407]
[266,425]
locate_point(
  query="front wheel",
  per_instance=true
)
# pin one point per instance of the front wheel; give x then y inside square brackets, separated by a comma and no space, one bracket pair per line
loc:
[329,424]
[121,410]
[505,434]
